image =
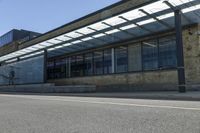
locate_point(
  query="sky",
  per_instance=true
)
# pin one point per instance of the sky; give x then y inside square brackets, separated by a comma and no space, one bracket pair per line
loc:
[45,15]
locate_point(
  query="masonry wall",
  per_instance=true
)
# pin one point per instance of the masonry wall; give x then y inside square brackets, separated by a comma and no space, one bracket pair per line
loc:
[155,80]
[26,72]
[191,38]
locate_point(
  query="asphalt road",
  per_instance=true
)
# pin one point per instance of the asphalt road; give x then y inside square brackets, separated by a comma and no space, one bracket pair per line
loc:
[62,114]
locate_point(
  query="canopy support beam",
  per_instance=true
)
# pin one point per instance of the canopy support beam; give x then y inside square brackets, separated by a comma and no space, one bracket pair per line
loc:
[118,28]
[155,18]
[104,33]
[131,22]
[180,55]
[81,40]
[175,8]
[92,37]
[84,46]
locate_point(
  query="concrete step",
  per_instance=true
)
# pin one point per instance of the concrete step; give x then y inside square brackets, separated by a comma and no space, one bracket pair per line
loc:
[193,87]
[75,88]
[48,88]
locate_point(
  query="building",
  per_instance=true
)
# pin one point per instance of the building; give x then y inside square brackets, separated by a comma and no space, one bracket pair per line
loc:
[17,35]
[131,45]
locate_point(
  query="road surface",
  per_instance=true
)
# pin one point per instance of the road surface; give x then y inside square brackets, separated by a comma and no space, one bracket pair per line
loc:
[64,114]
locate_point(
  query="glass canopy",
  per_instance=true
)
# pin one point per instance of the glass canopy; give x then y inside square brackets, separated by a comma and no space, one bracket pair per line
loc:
[145,20]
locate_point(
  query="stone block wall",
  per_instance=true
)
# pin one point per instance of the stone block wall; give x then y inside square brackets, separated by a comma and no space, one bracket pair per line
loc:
[191,39]
[148,81]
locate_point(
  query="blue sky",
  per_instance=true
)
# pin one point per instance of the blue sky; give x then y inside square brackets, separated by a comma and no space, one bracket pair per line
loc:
[44,15]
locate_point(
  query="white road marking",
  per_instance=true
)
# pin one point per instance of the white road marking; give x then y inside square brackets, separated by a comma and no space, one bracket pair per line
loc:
[105,103]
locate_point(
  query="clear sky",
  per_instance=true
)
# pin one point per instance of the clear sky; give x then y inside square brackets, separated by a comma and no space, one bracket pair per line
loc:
[44,15]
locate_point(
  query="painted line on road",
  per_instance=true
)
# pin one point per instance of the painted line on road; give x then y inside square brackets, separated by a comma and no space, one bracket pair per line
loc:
[105,103]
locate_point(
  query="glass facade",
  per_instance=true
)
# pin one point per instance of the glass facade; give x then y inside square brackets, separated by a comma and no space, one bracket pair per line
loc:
[121,59]
[79,65]
[50,70]
[134,58]
[73,66]
[60,69]
[148,55]
[98,62]
[107,61]
[88,64]
[7,38]
[67,67]
[167,52]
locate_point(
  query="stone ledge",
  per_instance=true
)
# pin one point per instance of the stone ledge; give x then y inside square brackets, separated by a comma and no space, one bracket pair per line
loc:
[48,88]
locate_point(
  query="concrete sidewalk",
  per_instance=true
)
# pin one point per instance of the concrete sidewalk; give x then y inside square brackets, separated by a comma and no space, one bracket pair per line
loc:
[167,95]
[171,95]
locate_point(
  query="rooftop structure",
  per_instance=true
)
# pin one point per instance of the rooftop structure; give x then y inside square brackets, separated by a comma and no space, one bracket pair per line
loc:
[17,35]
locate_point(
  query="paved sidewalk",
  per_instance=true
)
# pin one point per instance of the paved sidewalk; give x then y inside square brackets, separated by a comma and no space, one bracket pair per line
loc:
[171,95]
[164,95]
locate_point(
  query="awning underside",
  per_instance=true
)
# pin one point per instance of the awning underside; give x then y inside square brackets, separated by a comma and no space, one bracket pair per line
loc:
[146,20]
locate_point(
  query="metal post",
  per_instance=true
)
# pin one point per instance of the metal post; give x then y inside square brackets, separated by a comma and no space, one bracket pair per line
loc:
[180,55]
[69,67]
[45,66]
[113,60]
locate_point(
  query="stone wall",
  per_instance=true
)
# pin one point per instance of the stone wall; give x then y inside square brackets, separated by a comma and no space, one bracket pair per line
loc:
[191,41]
[155,80]
[26,72]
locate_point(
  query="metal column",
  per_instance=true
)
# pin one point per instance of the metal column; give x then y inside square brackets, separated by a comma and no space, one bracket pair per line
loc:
[180,55]
[113,60]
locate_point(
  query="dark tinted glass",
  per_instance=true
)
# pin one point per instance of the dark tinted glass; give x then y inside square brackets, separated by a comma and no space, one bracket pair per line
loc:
[98,62]
[150,55]
[107,61]
[121,59]
[167,52]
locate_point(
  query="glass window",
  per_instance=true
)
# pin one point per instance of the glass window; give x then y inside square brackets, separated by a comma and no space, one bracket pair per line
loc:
[150,55]
[67,67]
[121,59]
[60,68]
[167,52]
[107,61]
[134,57]
[73,66]
[98,62]
[88,64]
[79,65]
[50,70]
[7,38]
